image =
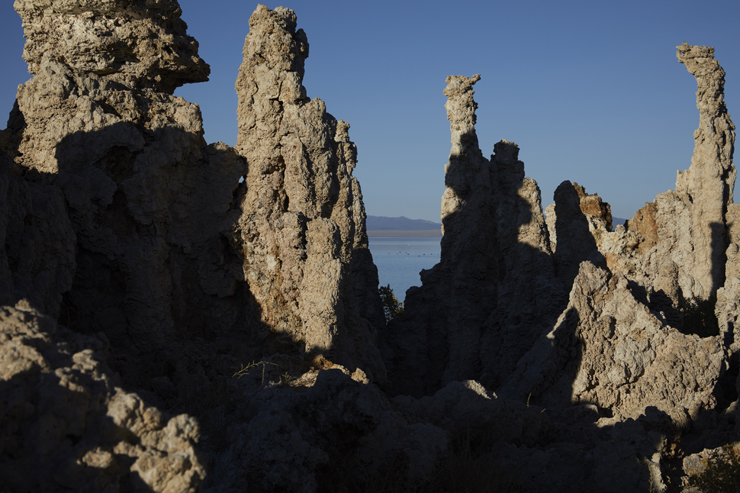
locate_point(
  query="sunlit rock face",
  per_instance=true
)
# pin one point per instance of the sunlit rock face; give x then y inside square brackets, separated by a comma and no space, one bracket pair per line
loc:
[302,224]
[129,242]
[135,43]
[167,243]
[610,350]
[684,234]
[496,308]
[710,180]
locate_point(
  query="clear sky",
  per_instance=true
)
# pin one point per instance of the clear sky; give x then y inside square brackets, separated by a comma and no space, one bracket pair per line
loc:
[590,90]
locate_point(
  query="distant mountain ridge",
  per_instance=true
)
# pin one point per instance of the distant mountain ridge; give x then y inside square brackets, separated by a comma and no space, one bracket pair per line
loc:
[616,221]
[403,223]
[375,223]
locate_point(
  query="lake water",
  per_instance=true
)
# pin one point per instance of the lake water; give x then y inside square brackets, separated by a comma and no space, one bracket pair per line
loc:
[401,258]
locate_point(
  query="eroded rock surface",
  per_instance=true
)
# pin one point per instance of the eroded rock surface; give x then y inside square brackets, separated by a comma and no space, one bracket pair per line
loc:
[64,413]
[303,223]
[118,218]
[148,200]
[236,285]
[650,328]
[684,234]
[610,350]
[496,288]
[37,243]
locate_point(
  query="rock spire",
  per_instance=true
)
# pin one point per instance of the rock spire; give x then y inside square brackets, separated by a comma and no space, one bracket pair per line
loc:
[303,223]
[710,181]
[495,259]
[176,316]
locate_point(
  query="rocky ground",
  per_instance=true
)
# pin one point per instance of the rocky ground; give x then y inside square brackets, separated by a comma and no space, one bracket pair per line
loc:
[177,316]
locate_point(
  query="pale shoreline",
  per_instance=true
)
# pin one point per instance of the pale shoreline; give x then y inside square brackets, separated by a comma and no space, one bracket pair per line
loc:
[405,232]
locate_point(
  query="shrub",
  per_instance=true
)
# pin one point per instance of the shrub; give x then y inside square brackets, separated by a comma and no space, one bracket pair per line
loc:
[391,307]
[699,317]
[722,472]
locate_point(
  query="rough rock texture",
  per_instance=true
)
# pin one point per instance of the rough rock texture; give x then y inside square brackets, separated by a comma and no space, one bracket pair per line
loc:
[610,350]
[148,200]
[650,328]
[592,205]
[495,250]
[135,43]
[708,470]
[685,233]
[340,431]
[116,217]
[297,441]
[602,359]
[168,244]
[37,243]
[710,181]
[64,416]
[302,216]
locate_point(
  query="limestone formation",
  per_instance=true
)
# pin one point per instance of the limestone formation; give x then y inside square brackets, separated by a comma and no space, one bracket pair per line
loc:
[37,243]
[67,424]
[641,297]
[610,350]
[167,246]
[134,43]
[145,275]
[592,205]
[148,200]
[116,216]
[302,218]
[495,289]
[686,231]
[710,180]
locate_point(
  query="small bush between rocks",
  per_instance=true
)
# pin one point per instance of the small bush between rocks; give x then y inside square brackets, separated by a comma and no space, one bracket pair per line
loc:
[722,473]
[391,306]
[699,317]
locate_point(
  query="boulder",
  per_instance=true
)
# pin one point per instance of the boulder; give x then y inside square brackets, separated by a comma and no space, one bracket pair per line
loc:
[63,412]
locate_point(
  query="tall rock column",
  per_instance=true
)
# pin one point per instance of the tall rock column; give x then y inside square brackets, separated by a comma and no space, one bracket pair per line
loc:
[494,290]
[302,216]
[679,242]
[468,254]
[150,204]
[710,181]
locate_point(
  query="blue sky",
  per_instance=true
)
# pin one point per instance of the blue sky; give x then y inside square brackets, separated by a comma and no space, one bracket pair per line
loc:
[590,90]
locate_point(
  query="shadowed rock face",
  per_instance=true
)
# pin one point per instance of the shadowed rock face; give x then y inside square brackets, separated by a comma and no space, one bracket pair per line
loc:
[302,220]
[37,242]
[476,314]
[63,411]
[167,246]
[117,217]
[495,287]
[148,200]
[118,220]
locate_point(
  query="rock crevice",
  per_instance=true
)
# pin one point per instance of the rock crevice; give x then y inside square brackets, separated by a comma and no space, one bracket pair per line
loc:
[177,316]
